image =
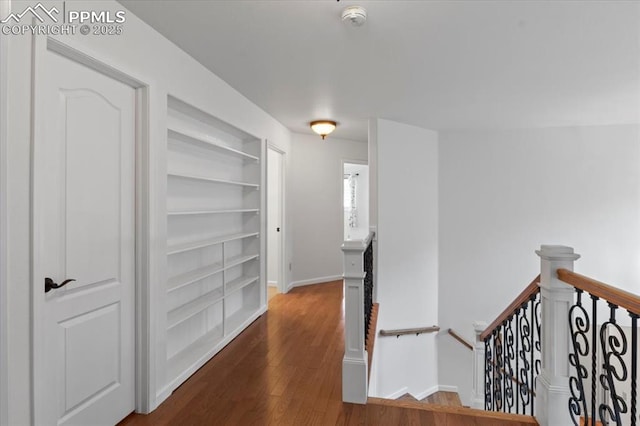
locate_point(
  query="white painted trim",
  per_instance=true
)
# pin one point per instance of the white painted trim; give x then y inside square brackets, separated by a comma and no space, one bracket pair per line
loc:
[397,394]
[422,395]
[447,388]
[263,224]
[144,326]
[145,335]
[311,281]
[38,391]
[5,9]
[341,206]
[354,380]
[272,283]
[425,393]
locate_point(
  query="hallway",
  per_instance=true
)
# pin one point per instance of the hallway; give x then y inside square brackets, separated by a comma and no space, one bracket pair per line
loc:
[284,369]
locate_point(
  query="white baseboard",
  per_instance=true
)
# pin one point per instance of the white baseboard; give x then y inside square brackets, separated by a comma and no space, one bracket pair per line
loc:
[312,281]
[425,393]
[422,395]
[272,283]
[446,388]
[397,394]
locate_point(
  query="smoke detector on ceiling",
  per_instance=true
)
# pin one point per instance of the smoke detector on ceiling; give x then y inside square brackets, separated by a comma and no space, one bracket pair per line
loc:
[355,14]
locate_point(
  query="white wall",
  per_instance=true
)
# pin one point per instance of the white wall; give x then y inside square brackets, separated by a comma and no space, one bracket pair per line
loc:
[407,224]
[316,205]
[504,193]
[361,175]
[142,53]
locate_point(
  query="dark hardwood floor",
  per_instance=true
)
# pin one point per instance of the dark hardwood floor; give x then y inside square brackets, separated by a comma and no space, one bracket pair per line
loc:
[286,369]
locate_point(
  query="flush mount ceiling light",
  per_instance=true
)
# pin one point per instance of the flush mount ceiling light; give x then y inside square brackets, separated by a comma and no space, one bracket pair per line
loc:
[323,127]
[357,15]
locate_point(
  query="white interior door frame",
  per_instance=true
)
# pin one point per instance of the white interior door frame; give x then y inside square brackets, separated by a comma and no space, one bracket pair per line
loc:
[145,336]
[5,9]
[282,261]
[346,161]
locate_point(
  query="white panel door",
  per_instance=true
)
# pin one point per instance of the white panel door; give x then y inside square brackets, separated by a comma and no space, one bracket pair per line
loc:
[84,189]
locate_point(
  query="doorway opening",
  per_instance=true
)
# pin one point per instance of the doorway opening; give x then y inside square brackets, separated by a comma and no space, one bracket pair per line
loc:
[355,191]
[275,215]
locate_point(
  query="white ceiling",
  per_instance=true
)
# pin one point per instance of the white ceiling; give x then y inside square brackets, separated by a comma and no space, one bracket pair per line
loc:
[433,64]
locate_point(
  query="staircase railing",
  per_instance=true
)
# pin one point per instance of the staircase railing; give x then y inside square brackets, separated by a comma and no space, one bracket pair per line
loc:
[604,362]
[512,354]
[367,258]
[359,298]
[565,350]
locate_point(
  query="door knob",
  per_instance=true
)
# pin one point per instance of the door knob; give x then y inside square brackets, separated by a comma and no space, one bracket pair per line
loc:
[49,284]
[278,229]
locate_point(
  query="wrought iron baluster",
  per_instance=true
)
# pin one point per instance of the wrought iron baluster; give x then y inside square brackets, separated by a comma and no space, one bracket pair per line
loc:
[526,348]
[533,313]
[594,356]
[508,365]
[517,318]
[537,337]
[368,287]
[634,368]
[488,371]
[613,343]
[497,398]
[579,325]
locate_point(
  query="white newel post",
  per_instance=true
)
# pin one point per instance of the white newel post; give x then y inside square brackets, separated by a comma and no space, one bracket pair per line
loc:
[477,397]
[556,299]
[355,361]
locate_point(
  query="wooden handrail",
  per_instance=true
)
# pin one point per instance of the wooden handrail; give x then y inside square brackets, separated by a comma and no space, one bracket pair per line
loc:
[526,294]
[620,298]
[459,338]
[402,331]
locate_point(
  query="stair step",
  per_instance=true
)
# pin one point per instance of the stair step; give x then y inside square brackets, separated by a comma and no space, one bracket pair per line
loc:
[440,398]
[406,397]
[444,398]
[388,411]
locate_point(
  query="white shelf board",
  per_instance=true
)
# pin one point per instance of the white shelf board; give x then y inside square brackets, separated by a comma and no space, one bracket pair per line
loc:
[238,283]
[185,360]
[190,359]
[187,278]
[201,212]
[194,136]
[196,275]
[182,247]
[240,319]
[239,260]
[213,180]
[186,311]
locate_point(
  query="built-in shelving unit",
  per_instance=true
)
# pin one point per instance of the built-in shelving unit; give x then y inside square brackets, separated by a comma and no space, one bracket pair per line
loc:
[215,284]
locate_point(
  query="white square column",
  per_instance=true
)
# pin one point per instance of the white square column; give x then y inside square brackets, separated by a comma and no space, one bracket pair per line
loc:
[556,298]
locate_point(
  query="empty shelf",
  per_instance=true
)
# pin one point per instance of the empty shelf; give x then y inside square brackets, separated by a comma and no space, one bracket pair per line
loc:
[237,319]
[238,283]
[238,260]
[199,212]
[187,278]
[182,247]
[194,136]
[192,308]
[213,180]
[190,358]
